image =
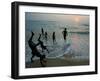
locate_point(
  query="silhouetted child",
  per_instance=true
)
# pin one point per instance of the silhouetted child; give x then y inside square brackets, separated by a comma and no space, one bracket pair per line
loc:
[42,45]
[34,49]
[46,36]
[65,33]
[42,31]
[53,37]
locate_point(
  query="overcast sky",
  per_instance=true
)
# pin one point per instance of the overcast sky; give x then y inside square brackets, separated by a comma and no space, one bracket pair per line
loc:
[68,18]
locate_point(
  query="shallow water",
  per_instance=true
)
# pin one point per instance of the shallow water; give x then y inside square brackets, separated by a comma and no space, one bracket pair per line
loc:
[79,42]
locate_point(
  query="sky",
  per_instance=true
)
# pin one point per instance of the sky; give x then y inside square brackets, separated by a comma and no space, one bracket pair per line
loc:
[70,19]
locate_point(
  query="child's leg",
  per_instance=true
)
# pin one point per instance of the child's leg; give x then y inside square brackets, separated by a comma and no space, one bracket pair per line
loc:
[32,58]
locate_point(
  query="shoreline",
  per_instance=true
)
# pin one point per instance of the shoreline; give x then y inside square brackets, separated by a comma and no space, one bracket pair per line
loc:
[58,62]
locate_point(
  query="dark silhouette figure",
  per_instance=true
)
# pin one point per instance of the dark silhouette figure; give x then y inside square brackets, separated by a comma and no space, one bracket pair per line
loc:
[54,37]
[46,36]
[42,45]
[65,33]
[35,51]
[42,31]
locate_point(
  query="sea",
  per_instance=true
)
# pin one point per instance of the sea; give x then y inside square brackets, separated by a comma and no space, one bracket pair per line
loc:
[76,44]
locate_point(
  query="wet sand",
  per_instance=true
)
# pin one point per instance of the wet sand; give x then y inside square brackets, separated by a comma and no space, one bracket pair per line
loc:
[58,62]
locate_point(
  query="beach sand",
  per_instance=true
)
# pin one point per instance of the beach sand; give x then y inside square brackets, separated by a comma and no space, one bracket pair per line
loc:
[59,62]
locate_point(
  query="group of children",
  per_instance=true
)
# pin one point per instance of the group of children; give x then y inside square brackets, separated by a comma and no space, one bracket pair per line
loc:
[34,49]
[45,34]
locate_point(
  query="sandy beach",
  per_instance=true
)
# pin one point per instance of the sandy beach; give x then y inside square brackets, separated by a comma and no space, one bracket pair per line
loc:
[59,62]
